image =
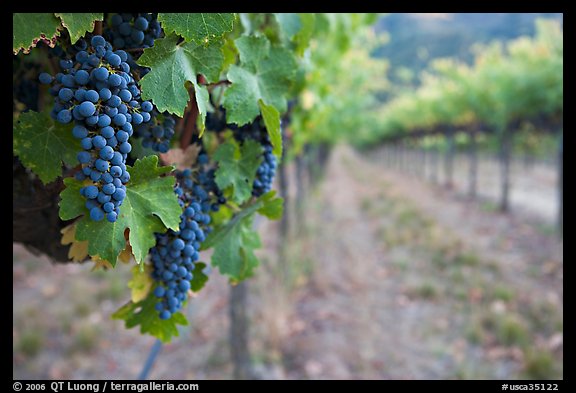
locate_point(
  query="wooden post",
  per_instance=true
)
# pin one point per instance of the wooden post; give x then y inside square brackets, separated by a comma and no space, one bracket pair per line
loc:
[283,190]
[504,158]
[423,159]
[561,185]
[434,153]
[300,184]
[449,158]
[239,326]
[473,160]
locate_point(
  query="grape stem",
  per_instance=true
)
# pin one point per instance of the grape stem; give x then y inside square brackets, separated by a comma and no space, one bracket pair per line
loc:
[190,126]
[219,83]
[133,50]
[98,27]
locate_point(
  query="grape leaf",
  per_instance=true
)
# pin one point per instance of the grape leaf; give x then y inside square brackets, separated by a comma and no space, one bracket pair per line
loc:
[172,66]
[71,204]
[141,282]
[78,251]
[78,23]
[237,167]
[265,72]
[126,254]
[234,243]
[272,122]
[302,38]
[289,23]
[42,144]
[29,28]
[150,206]
[100,264]
[180,158]
[266,205]
[197,26]
[144,314]
[271,207]
[234,255]
[199,278]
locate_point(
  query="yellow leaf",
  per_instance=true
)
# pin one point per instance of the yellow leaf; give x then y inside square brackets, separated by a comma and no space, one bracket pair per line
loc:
[68,233]
[100,264]
[78,251]
[140,283]
[126,254]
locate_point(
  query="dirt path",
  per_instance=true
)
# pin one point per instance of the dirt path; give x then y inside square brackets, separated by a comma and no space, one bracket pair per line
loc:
[386,307]
[389,278]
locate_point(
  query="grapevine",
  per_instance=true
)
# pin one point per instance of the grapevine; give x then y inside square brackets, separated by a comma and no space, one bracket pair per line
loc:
[96,89]
[151,129]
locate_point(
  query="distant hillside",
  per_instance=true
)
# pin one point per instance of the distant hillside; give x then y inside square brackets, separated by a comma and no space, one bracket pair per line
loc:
[415,39]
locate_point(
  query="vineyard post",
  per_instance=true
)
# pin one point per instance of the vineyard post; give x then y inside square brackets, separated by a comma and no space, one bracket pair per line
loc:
[403,156]
[449,158]
[422,151]
[504,159]
[300,192]
[399,155]
[473,163]
[399,146]
[561,184]
[239,331]
[397,162]
[395,155]
[434,163]
[283,190]
[412,157]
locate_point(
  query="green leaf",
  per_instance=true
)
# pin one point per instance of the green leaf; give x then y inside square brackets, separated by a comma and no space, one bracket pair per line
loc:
[252,50]
[144,314]
[234,243]
[302,38]
[42,144]
[266,205]
[71,204]
[78,24]
[230,52]
[265,72]
[234,255]
[28,28]
[150,206]
[237,167]
[199,279]
[289,23]
[271,207]
[272,122]
[172,66]
[197,27]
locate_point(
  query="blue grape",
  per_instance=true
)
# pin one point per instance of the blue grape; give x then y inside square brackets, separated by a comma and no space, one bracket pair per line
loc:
[92,96]
[97,90]
[64,116]
[45,78]
[87,108]
[96,213]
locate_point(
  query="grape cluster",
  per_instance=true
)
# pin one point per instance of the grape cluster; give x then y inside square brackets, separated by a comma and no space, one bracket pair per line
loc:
[128,31]
[25,92]
[156,135]
[267,169]
[216,121]
[206,179]
[175,252]
[265,173]
[98,92]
